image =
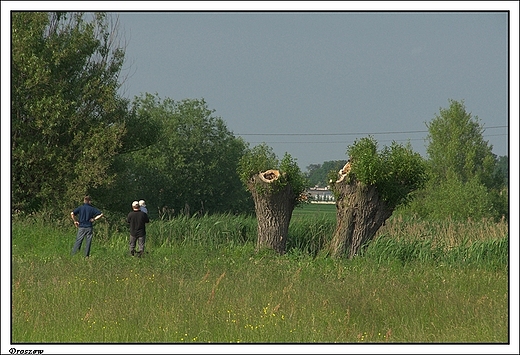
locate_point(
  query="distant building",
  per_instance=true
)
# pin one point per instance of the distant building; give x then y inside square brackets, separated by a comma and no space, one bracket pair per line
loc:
[320,195]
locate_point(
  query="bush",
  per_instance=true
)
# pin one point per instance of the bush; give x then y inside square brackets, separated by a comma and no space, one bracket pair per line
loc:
[454,199]
[397,171]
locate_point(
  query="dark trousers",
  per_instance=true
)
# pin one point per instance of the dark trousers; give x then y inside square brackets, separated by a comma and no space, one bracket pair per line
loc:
[82,234]
[140,242]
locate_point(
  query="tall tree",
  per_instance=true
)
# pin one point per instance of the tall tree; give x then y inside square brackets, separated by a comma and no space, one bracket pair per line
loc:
[368,189]
[276,187]
[457,147]
[466,181]
[192,166]
[67,119]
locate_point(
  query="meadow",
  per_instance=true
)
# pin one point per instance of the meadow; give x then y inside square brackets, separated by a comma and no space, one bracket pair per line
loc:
[201,281]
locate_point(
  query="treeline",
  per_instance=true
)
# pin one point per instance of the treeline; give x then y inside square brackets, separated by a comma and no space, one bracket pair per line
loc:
[74,134]
[464,178]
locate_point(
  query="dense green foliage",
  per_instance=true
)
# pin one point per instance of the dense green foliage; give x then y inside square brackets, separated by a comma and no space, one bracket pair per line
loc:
[457,149]
[396,171]
[502,169]
[454,199]
[255,160]
[202,282]
[466,179]
[67,120]
[74,135]
[261,158]
[191,168]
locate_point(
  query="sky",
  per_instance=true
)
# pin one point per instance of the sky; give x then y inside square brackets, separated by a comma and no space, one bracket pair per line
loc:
[310,83]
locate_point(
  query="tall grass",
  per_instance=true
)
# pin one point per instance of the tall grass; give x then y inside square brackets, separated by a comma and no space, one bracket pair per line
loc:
[480,243]
[208,231]
[202,282]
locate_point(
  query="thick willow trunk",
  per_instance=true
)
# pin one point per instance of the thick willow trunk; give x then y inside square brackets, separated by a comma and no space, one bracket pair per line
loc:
[360,212]
[273,211]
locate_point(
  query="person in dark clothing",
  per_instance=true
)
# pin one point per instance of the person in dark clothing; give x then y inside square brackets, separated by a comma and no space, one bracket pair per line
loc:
[137,220]
[87,214]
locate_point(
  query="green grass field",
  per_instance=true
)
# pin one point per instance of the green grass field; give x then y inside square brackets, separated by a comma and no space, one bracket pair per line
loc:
[315,210]
[201,281]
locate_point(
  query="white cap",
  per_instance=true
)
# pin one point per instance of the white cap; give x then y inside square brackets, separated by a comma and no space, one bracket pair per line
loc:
[142,203]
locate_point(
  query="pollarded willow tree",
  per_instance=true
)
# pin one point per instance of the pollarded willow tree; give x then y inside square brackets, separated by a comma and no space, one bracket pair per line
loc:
[276,187]
[369,188]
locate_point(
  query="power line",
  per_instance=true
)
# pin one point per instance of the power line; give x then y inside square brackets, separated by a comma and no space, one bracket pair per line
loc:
[322,134]
[343,142]
[343,134]
[326,142]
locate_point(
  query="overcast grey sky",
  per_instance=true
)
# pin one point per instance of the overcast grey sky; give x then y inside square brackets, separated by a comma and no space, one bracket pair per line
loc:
[310,83]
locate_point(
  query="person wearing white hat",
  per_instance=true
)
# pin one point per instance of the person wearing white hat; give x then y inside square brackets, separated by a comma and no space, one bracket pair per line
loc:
[142,206]
[137,220]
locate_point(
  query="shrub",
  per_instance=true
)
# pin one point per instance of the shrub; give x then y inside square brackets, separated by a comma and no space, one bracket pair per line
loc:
[454,199]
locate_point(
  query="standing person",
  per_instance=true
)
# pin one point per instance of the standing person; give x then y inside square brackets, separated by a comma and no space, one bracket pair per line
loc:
[142,206]
[137,220]
[87,214]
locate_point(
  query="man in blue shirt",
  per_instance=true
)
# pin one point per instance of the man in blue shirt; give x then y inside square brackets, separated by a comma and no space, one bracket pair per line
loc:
[86,215]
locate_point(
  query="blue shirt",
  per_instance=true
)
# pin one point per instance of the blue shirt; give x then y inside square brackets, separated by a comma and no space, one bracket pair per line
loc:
[86,212]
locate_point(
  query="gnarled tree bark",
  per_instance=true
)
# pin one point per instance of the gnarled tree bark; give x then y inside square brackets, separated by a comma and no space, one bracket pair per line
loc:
[273,209]
[360,212]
